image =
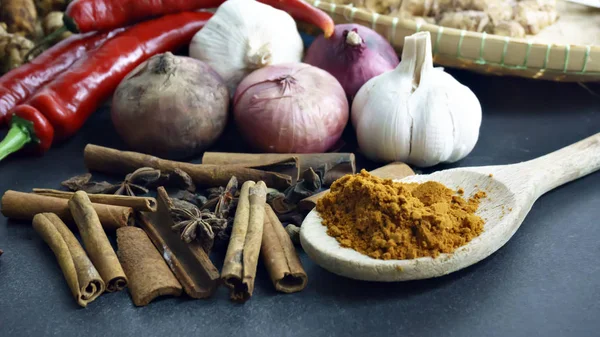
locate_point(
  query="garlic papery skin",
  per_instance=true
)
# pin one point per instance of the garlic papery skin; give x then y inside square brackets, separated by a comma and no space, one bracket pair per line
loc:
[245,35]
[416,113]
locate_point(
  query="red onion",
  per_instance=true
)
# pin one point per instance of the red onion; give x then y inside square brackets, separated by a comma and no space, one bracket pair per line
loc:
[353,55]
[292,108]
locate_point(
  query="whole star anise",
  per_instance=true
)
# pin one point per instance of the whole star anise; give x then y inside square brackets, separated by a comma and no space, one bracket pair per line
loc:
[196,224]
[134,182]
[222,199]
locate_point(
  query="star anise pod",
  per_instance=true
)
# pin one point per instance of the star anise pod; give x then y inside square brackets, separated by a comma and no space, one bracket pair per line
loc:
[222,199]
[196,199]
[176,179]
[83,183]
[134,182]
[309,184]
[75,183]
[226,199]
[285,203]
[196,224]
[180,179]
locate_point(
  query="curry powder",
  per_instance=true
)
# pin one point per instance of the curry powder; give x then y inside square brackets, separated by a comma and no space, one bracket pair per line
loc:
[389,220]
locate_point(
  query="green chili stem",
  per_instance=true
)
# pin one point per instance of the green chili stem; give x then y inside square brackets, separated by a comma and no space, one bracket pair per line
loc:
[17,137]
[32,53]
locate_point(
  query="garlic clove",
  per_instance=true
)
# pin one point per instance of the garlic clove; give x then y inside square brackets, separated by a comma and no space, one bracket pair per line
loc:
[375,128]
[432,127]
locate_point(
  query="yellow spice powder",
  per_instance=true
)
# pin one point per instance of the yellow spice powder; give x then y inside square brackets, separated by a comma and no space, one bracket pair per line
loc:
[388,220]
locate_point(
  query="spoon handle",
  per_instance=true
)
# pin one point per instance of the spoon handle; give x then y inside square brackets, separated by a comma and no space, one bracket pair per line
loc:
[564,165]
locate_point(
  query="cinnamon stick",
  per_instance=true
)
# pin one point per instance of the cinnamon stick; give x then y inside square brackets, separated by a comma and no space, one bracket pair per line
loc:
[189,262]
[142,204]
[148,274]
[96,242]
[396,170]
[24,206]
[280,257]
[81,275]
[334,165]
[239,268]
[102,159]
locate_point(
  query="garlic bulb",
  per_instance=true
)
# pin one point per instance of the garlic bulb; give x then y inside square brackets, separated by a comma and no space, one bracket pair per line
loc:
[416,113]
[245,35]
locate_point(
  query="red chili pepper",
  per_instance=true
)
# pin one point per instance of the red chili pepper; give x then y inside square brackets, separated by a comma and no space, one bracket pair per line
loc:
[61,107]
[27,125]
[97,15]
[304,12]
[20,83]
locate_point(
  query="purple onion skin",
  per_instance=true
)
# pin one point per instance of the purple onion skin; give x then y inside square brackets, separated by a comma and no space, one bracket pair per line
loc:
[291,108]
[352,65]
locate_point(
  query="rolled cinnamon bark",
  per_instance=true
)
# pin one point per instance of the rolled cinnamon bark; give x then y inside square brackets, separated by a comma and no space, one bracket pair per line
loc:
[189,262]
[148,275]
[81,275]
[334,165]
[24,206]
[395,170]
[280,257]
[96,242]
[239,268]
[102,159]
[141,204]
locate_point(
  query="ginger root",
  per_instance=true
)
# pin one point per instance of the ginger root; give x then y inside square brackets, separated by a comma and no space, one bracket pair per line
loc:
[52,22]
[535,15]
[476,21]
[417,7]
[44,7]
[377,6]
[13,49]
[509,28]
[497,10]
[20,17]
[500,17]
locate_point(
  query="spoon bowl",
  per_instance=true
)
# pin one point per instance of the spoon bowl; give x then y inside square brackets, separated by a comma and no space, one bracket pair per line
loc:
[511,192]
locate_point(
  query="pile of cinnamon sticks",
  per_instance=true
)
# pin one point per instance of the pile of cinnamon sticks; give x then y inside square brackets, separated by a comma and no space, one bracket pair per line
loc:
[90,271]
[154,260]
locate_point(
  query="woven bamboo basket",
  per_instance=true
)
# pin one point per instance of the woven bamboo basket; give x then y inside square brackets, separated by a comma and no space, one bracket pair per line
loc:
[567,51]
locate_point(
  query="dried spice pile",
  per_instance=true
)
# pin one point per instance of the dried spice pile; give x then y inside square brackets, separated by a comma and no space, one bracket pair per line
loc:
[515,18]
[388,220]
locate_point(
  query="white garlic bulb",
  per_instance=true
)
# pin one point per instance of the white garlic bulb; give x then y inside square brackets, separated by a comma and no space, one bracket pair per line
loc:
[416,113]
[245,35]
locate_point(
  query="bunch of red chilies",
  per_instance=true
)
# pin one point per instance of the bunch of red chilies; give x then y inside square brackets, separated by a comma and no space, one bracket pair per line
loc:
[52,96]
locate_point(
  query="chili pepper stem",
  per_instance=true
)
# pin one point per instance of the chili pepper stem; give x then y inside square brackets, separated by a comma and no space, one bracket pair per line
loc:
[31,54]
[17,137]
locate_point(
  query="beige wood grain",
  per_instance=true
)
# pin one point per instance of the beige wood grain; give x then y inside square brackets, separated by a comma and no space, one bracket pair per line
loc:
[511,192]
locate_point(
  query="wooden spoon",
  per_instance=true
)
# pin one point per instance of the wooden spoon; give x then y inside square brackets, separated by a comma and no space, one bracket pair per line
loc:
[511,189]
[588,3]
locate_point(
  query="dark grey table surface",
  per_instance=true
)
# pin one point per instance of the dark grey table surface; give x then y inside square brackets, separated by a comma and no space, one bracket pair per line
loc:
[543,282]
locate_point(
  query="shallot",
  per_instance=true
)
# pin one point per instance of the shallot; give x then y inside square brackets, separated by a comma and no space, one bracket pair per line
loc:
[291,107]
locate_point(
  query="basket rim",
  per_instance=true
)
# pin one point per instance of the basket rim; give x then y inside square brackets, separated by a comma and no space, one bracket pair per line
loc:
[349,12]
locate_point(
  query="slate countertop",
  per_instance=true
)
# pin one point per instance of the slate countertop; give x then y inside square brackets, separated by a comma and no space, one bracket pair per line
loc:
[544,282]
